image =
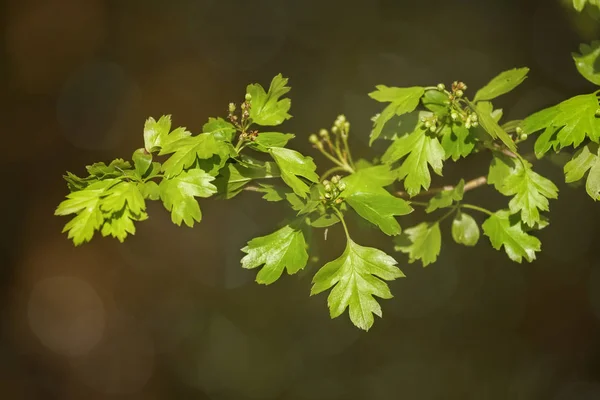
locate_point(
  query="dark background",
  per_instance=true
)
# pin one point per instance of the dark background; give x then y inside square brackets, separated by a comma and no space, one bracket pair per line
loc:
[170,314]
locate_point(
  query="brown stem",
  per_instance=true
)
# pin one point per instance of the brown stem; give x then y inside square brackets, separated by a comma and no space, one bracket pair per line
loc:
[470,185]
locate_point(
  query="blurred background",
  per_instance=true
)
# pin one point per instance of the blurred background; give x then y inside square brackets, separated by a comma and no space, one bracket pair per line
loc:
[170,314]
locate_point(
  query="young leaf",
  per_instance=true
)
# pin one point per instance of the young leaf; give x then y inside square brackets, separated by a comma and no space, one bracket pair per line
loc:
[357,275]
[446,198]
[506,230]
[566,124]
[157,136]
[586,159]
[422,148]
[142,160]
[489,124]
[220,129]
[115,169]
[265,140]
[365,194]
[188,150]
[267,109]
[177,195]
[464,229]
[402,101]
[231,180]
[588,61]
[580,4]
[531,191]
[120,224]
[437,102]
[422,242]
[282,249]
[292,165]
[502,84]
[149,190]
[123,194]
[457,141]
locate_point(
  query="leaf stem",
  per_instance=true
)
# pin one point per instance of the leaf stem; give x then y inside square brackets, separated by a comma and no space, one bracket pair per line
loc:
[341,217]
[470,185]
[449,213]
[331,171]
[477,208]
[347,150]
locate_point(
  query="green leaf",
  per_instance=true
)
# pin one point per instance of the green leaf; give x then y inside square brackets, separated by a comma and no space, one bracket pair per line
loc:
[437,102]
[588,62]
[566,124]
[586,159]
[531,191]
[292,165]
[502,84]
[123,194]
[464,229]
[188,150]
[489,124]
[267,109]
[580,4]
[82,227]
[149,190]
[177,195]
[115,169]
[356,276]
[402,101]
[457,141]
[157,136]
[506,230]
[423,148]
[446,198]
[142,160]
[120,224]
[365,194]
[220,129]
[422,242]
[265,140]
[231,180]
[324,221]
[282,249]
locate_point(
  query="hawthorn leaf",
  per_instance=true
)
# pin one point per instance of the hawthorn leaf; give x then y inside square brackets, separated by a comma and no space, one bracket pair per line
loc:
[293,165]
[457,141]
[282,249]
[220,129]
[149,190]
[447,197]
[580,4]
[157,133]
[121,224]
[356,276]
[115,169]
[142,160]
[423,149]
[265,140]
[177,195]
[437,102]
[266,107]
[566,124]
[588,61]
[586,159]
[464,229]
[232,179]
[501,168]
[123,194]
[490,125]
[502,84]
[421,242]
[402,101]
[188,150]
[504,229]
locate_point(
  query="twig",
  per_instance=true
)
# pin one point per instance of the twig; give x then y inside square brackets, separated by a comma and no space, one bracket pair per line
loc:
[470,185]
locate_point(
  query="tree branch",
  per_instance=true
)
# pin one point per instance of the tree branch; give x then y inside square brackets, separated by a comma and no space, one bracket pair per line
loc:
[470,185]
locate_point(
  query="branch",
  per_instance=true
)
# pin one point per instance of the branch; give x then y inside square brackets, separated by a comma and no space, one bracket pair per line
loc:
[470,185]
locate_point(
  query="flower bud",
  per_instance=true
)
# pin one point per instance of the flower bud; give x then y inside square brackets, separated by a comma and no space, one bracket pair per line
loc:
[346,126]
[335,179]
[341,118]
[325,182]
[519,130]
[313,139]
[323,133]
[441,86]
[432,128]
[327,187]
[474,124]
[454,116]
[523,136]
[248,97]
[341,186]
[468,124]
[427,124]
[334,129]
[327,195]
[474,117]
[231,108]
[459,93]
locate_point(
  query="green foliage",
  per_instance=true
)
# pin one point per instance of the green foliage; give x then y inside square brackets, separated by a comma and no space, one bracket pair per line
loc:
[426,127]
[587,62]
[356,276]
[283,249]
[580,4]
